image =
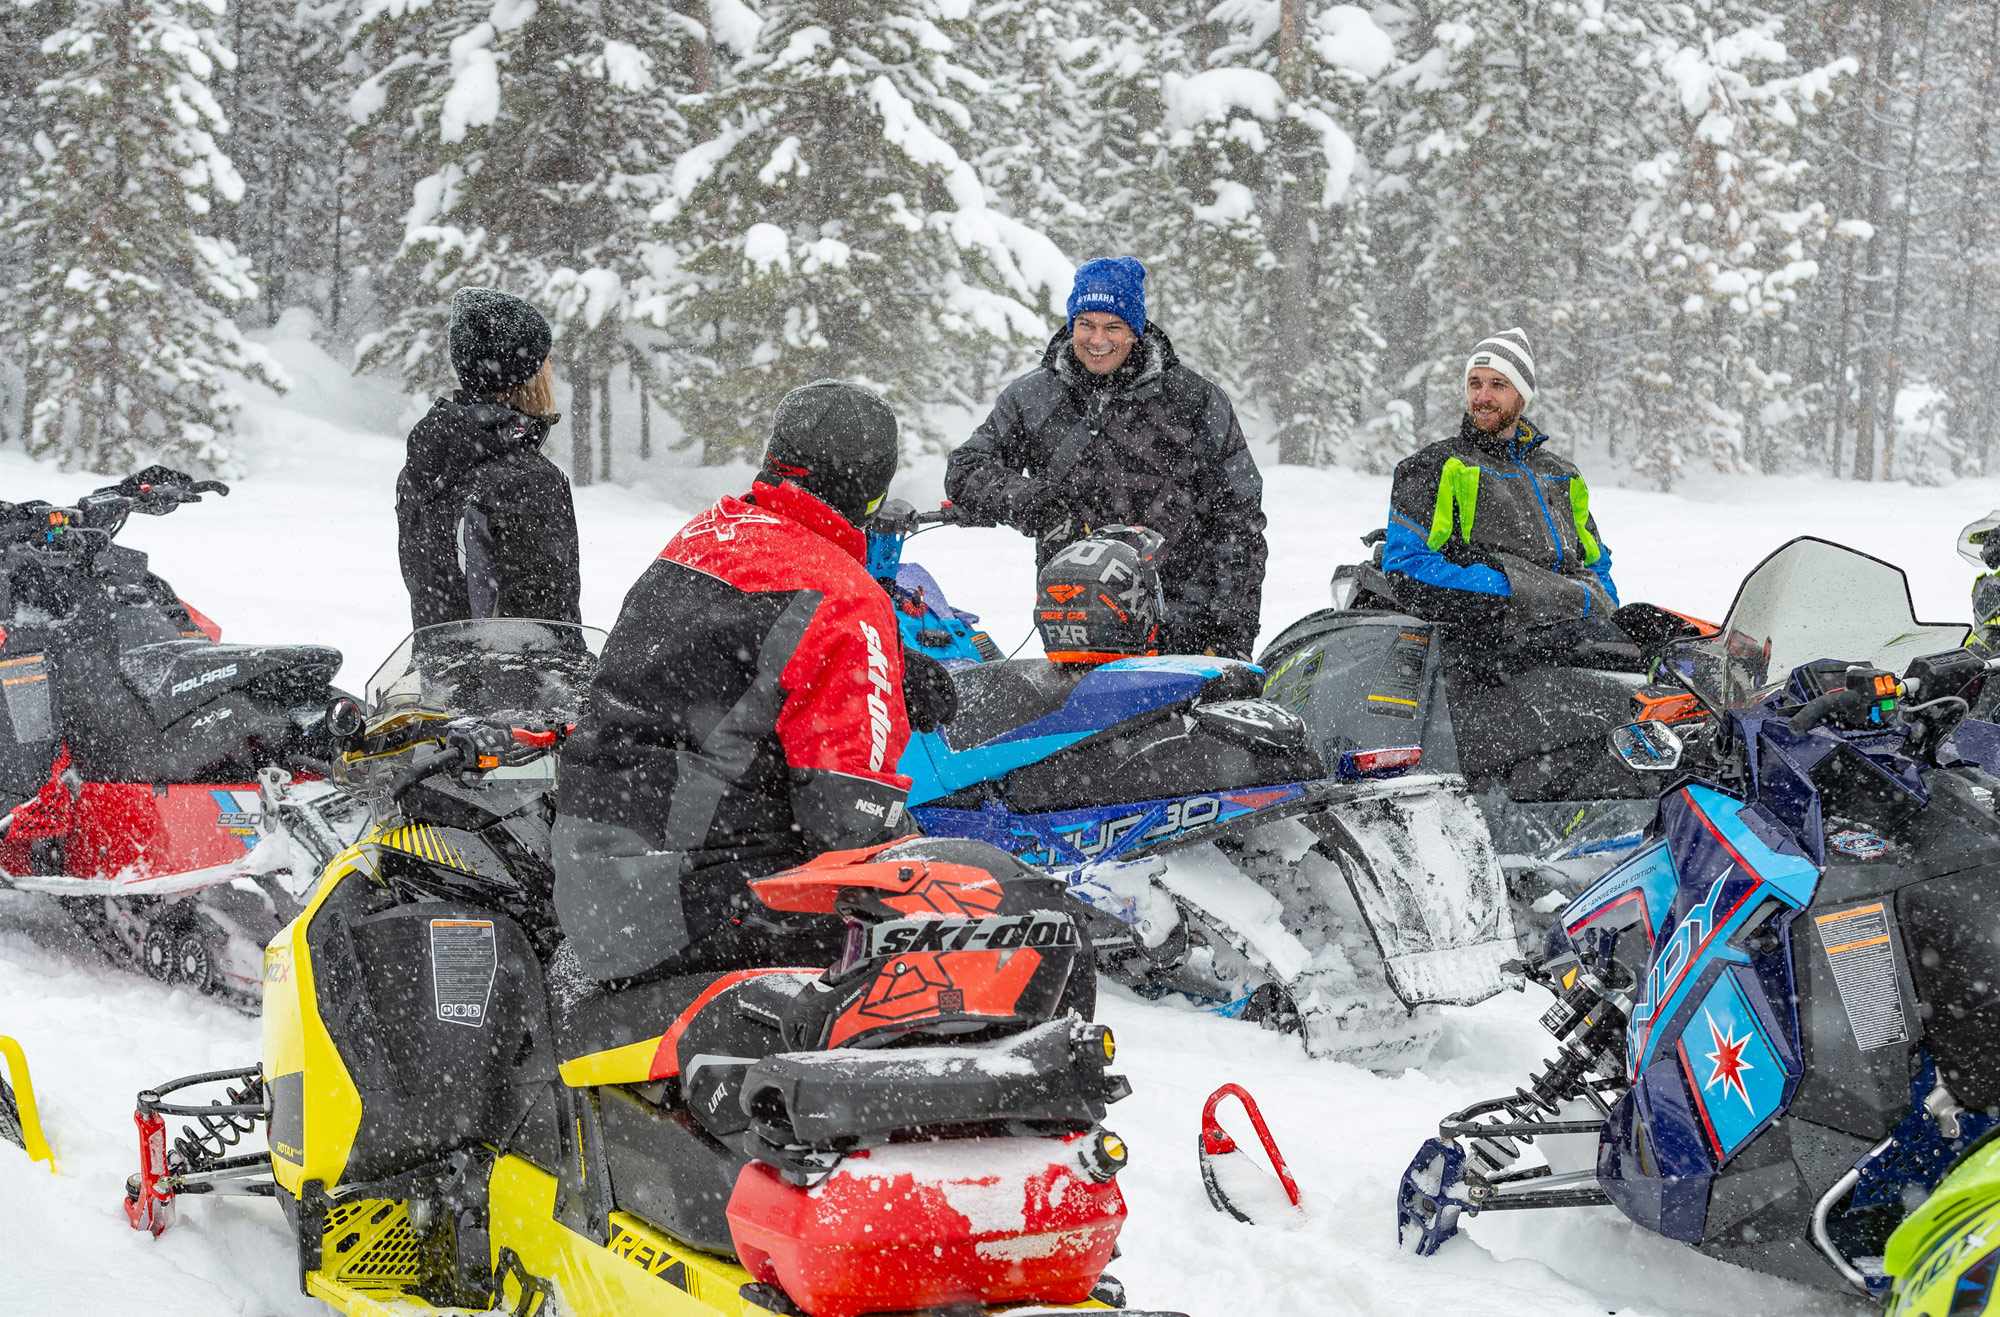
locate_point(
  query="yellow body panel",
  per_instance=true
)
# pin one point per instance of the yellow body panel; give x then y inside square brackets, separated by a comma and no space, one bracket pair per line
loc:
[630,1064]
[296,1041]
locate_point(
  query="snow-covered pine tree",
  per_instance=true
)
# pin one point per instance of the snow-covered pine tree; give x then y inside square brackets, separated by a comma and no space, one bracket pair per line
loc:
[835,226]
[1504,147]
[1041,130]
[1261,143]
[1721,237]
[1540,168]
[286,108]
[542,133]
[123,321]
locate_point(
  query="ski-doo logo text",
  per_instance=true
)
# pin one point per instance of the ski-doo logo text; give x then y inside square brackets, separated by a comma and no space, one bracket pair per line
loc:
[1041,929]
[878,702]
[213,674]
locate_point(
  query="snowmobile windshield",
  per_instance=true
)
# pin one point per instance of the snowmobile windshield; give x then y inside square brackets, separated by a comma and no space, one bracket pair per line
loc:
[521,671]
[1811,600]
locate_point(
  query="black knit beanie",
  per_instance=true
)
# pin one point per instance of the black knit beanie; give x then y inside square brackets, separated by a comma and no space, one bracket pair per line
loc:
[498,341]
[837,441]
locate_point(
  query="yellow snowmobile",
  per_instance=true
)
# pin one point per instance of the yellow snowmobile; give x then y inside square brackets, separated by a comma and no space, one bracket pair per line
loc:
[459,1121]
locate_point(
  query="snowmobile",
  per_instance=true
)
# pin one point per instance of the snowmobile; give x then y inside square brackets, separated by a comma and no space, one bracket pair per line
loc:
[456,1117]
[1774,1023]
[167,788]
[1340,904]
[1944,1257]
[1512,738]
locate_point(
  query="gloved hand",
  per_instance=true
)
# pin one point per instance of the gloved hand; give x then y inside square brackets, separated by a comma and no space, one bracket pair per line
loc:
[490,745]
[1989,551]
[159,489]
[929,695]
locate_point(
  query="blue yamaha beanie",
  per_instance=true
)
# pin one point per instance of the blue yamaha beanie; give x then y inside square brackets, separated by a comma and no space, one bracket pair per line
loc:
[1110,283]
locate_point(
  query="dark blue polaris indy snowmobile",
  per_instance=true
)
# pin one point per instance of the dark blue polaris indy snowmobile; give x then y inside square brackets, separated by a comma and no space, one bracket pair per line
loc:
[1776,1019]
[1297,895]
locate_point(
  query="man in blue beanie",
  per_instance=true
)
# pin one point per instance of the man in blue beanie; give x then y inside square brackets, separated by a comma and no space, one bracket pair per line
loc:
[1112,429]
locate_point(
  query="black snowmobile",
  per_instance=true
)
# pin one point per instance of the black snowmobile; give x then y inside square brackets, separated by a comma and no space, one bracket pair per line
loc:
[1516,731]
[457,1117]
[145,765]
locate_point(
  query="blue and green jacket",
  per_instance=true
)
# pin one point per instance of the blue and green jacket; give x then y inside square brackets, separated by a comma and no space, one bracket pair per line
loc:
[1495,531]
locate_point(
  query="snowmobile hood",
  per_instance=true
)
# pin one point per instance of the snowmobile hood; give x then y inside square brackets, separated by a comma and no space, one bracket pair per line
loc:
[465,430]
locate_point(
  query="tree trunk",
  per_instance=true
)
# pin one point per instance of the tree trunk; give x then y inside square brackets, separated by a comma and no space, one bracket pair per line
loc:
[604,426]
[1878,214]
[579,423]
[645,425]
[1897,300]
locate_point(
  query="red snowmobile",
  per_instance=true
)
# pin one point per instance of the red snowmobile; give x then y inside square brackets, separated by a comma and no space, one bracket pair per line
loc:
[166,788]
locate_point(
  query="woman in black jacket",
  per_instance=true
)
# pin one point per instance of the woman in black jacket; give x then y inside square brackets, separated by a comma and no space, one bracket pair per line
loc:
[484,522]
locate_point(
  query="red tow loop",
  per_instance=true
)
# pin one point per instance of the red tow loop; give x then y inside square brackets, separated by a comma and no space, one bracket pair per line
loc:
[1215,1141]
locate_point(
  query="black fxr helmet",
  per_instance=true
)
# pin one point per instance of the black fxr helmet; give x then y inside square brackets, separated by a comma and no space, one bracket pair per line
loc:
[1099,599]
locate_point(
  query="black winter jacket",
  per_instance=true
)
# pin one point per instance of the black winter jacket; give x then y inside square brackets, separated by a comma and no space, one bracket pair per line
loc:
[1495,532]
[485,526]
[1152,444]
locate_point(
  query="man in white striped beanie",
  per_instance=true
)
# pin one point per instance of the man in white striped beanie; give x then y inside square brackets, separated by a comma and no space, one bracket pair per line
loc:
[1499,380]
[1491,529]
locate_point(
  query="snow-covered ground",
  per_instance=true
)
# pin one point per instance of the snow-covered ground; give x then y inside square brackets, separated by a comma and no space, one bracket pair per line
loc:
[304,550]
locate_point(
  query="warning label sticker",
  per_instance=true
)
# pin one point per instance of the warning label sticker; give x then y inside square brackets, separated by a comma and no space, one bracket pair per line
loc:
[464,959]
[1864,969]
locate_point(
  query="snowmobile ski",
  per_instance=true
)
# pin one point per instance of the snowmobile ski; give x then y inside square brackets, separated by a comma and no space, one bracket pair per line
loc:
[20,1118]
[1235,1184]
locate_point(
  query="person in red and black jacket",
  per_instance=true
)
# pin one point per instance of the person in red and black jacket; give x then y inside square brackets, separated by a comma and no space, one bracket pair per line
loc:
[747,715]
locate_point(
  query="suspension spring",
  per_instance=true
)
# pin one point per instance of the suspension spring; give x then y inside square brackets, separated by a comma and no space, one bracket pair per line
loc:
[210,1137]
[1565,1078]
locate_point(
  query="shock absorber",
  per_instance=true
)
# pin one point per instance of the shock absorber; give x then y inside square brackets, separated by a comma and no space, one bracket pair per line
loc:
[1494,1130]
[211,1136]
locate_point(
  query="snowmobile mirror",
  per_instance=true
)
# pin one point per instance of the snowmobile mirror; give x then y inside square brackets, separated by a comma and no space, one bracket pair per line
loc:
[346,723]
[1647,747]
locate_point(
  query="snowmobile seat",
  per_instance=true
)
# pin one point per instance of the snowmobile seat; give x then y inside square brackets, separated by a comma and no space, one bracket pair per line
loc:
[643,1032]
[1025,699]
[173,677]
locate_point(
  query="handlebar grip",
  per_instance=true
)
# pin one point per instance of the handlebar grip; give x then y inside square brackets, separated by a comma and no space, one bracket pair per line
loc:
[451,757]
[1817,711]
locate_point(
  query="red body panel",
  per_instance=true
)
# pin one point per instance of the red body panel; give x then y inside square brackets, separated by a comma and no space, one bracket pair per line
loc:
[208,628]
[914,1226]
[914,887]
[134,829]
[149,830]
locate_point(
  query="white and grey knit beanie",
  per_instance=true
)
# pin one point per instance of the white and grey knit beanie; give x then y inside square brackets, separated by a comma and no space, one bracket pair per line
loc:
[1508,353]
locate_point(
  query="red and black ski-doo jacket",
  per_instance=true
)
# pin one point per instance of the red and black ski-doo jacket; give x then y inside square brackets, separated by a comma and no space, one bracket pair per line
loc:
[746,716]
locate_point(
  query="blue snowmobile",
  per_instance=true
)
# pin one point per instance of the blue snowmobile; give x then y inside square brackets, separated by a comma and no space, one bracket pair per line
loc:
[1775,1019]
[1296,896]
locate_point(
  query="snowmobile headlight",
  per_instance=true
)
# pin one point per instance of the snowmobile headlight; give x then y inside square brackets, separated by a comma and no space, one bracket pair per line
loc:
[1103,1156]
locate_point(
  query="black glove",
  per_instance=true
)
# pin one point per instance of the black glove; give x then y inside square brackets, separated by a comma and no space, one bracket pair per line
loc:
[929,695]
[490,745]
[160,489]
[1989,550]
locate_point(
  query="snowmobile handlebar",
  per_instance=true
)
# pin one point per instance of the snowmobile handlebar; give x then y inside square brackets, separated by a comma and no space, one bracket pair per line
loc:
[474,744]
